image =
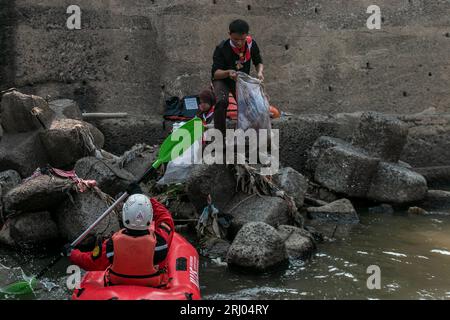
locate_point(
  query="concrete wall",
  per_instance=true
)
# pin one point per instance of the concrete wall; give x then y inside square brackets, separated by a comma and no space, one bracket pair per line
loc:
[320,56]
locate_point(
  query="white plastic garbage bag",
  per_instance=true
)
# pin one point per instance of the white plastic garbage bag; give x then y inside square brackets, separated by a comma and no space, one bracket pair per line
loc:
[253,106]
[178,170]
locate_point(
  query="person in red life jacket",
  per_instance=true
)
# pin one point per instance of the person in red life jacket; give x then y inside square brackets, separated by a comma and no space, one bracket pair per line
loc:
[136,255]
[232,55]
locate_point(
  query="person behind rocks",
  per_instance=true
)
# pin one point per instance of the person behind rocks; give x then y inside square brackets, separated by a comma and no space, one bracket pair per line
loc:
[207,106]
[232,55]
[135,255]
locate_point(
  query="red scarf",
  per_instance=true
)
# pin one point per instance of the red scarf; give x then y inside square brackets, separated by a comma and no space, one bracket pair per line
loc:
[244,53]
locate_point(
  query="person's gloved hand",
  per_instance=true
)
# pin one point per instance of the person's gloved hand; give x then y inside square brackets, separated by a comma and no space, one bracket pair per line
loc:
[134,188]
[67,250]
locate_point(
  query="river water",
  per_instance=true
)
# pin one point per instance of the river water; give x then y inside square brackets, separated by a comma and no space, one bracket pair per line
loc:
[412,252]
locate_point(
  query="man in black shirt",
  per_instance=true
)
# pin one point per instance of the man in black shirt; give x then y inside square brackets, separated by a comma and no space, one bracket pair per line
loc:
[232,55]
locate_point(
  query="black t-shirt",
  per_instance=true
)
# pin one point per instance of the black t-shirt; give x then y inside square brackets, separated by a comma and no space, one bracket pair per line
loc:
[226,59]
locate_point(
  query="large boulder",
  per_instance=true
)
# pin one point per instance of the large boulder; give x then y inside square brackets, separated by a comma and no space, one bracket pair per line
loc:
[298,134]
[76,215]
[340,212]
[346,170]
[139,159]
[214,248]
[29,229]
[437,177]
[15,151]
[270,210]
[395,184]
[381,135]
[257,247]
[17,112]
[41,193]
[66,108]
[318,148]
[293,183]
[436,201]
[110,178]
[66,141]
[299,242]
[8,180]
[216,180]
[428,142]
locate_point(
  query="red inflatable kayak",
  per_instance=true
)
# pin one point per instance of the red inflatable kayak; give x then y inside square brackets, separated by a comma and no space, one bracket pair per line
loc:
[183,262]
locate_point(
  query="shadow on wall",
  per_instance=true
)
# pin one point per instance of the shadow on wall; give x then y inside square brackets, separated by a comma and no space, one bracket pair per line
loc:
[8,23]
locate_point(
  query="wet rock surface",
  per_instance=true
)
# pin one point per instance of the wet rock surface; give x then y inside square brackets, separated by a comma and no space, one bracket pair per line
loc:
[319,147]
[32,229]
[437,177]
[24,113]
[340,211]
[109,176]
[299,242]
[9,179]
[436,202]
[270,210]
[38,194]
[15,151]
[346,170]
[215,180]
[68,140]
[369,167]
[293,183]
[381,135]
[80,212]
[395,184]
[215,248]
[257,247]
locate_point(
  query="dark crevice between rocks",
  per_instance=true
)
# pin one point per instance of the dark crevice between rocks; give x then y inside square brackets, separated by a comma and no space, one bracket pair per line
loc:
[277,269]
[8,23]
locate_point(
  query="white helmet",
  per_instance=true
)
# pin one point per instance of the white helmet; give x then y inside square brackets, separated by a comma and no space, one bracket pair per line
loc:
[137,212]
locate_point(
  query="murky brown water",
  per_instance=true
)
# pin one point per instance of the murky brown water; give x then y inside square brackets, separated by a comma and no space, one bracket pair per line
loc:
[413,253]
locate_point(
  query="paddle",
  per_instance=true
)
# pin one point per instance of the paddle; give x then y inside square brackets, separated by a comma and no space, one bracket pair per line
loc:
[172,147]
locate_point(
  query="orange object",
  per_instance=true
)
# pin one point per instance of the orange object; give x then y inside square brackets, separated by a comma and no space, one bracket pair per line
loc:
[274,112]
[133,260]
[182,265]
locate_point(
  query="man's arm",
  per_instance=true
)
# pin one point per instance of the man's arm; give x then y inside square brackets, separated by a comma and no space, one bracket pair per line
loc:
[219,69]
[95,260]
[260,71]
[164,224]
[224,74]
[257,60]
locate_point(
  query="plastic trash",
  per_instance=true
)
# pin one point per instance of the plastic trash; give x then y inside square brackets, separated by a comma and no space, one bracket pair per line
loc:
[253,105]
[179,169]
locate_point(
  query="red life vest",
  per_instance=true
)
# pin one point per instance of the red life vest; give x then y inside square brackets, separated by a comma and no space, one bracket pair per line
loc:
[133,260]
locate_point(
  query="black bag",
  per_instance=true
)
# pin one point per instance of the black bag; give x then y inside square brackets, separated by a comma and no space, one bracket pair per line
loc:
[181,109]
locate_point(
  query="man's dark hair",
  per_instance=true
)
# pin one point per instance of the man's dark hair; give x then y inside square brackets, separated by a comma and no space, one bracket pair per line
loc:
[239,27]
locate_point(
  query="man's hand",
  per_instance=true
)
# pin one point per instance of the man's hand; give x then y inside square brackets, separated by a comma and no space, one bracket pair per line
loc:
[232,74]
[67,250]
[261,76]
